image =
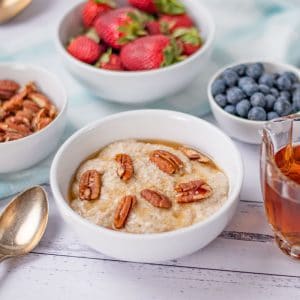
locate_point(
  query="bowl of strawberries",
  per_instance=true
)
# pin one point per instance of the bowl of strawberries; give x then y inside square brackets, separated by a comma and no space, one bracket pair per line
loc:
[133,51]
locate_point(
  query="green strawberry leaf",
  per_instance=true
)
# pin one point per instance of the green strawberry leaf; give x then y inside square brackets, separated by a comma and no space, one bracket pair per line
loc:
[170,7]
[189,36]
[93,35]
[110,3]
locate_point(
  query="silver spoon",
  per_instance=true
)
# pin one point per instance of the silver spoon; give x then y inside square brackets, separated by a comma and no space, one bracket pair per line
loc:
[23,223]
[10,8]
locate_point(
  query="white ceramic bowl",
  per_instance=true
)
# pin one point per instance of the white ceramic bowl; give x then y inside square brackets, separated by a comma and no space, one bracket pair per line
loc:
[147,124]
[26,152]
[242,129]
[137,87]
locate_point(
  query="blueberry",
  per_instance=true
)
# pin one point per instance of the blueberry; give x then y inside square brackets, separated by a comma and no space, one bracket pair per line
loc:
[240,69]
[284,83]
[255,70]
[257,114]
[230,77]
[296,107]
[296,98]
[266,79]
[230,109]
[218,87]
[292,76]
[295,86]
[286,95]
[258,99]
[272,115]
[264,89]
[234,95]
[274,92]
[283,107]
[246,80]
[250,88]
[221,100]
[242,108]
[270,100]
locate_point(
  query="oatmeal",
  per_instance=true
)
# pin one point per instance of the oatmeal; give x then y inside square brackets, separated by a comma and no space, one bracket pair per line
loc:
[147,187]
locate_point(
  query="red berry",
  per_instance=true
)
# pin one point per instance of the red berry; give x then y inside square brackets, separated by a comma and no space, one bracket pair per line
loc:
[120,26]
[146,53]
[153,27]
[173,22]
[189,49]
[111,61]
[84,49]
[94,8]
[170,7]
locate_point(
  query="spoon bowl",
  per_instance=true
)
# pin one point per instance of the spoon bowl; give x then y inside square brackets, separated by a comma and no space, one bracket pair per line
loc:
[10,8]
[23,222]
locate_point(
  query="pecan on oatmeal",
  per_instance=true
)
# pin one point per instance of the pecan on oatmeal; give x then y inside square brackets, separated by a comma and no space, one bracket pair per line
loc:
[192,191]
[125,169]
[193,154]
[123,209]
[166,161]
[90,185]
[156,199]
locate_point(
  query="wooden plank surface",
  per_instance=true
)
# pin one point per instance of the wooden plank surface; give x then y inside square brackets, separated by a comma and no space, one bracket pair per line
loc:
[243,259]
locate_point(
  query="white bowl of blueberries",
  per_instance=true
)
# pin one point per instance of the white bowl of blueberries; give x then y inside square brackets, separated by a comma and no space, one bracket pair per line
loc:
[244,96]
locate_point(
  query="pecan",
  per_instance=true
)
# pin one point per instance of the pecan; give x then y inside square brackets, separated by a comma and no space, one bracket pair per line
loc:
[156,199]
[125,168]
[5,95]
[41,119]
[40,99]
[30,106]
[15,102]
[166,161]
[193,154]
[18,124]
[12,136]
[90,185]
[192,191]
[9,85]
[123,209]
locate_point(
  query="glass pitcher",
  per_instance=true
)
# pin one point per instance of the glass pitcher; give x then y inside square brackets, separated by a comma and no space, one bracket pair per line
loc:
[280,181]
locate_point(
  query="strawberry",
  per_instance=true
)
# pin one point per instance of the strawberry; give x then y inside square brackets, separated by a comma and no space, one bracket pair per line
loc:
[110,61]
[85,49]
[94,8]
[170,23]
[189,39]
[120,26]
[170,7]
[150,52]
[153,27]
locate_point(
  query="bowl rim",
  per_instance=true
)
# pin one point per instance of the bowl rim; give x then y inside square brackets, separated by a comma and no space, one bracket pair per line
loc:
[213,103]
[61,112]
[63,205]
[207,45]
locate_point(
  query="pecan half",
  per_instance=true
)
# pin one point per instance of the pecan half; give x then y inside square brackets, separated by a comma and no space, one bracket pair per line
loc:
[31,106]
[166,161]
[15,102]
[18,124]
[125,168]
[123,209]
[5,95]
[90,185]
[40,99]
[193,154]
[192,191]
[156,199]
[9,86]
[41,119]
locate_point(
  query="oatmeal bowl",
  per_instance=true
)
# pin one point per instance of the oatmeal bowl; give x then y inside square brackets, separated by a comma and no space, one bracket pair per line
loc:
[161,187]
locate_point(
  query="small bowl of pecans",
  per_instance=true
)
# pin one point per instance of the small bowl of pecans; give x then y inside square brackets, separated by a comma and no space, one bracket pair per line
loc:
[32,115]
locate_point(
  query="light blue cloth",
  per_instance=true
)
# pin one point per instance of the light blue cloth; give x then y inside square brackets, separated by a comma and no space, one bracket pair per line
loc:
[245,29]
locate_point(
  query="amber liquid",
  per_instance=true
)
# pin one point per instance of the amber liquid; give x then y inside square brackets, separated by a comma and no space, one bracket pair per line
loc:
[282,203]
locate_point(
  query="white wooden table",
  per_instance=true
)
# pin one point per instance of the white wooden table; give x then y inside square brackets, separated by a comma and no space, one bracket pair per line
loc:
[242,263]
